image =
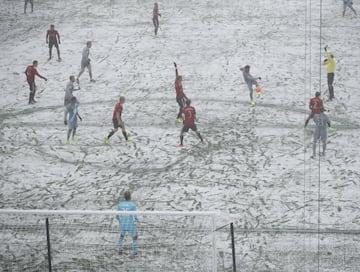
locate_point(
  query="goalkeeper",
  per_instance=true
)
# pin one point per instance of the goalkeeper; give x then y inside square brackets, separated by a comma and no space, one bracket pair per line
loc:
[127,224]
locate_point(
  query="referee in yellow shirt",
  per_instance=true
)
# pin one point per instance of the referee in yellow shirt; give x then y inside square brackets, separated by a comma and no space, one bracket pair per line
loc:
[330,62]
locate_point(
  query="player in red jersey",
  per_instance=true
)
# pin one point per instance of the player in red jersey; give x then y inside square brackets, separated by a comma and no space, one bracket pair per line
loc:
[117,121]
[189,114]
[155,18]
[30,73]
[53,38]
[314,105]
[180,95]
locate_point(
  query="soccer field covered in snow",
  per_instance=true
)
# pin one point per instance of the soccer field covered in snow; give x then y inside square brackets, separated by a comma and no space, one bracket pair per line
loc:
[290,212]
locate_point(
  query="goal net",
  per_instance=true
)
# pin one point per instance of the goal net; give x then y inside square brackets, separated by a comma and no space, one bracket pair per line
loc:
[87,241]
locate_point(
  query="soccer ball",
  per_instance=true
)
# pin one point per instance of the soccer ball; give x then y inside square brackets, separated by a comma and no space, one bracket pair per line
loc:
[258,89]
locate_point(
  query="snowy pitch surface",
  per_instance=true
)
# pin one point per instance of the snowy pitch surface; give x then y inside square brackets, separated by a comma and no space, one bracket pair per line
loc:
[255,167]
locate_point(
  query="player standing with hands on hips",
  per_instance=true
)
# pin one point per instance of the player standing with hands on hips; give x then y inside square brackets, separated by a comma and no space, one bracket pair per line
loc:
[53,39]
[127,224]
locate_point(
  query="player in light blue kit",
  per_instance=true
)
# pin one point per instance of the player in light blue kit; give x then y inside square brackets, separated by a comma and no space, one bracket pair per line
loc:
[85,62]
[127,224]
[71,110]
[321,122]
[250,81]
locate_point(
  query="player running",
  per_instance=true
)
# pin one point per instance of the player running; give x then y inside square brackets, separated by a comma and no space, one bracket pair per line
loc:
[53,39]
[127,224]
[189,116]
[250,81]
[321,121]
[180,95]
[314,105]
[30,73]
[155,18]
[71,110]
[85,62]
[117,121]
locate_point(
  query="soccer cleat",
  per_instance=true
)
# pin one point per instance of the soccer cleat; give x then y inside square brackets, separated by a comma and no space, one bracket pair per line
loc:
[203,142]
[106,140]
[67,142]
[181,145]
[322,154]
[179,120]
[74,139]
[331,129]
[92,80]
[252,103]
[129,139]
[155,36]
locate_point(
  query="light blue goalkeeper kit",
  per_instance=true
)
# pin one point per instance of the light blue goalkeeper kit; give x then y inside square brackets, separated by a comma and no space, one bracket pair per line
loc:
[127,224]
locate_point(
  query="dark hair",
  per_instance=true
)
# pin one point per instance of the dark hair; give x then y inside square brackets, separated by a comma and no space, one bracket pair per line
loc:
[188,102]
[35,62]
[52,26]
[127,195]
[317,94]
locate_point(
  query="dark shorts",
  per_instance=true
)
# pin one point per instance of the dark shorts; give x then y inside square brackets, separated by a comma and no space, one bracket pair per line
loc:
[115,123]
[330,78]
[187,127]
[85,64]
[51,44]
[32,86]
[181,102]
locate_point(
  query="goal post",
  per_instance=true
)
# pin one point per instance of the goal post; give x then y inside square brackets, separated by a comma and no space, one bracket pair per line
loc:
[85,240]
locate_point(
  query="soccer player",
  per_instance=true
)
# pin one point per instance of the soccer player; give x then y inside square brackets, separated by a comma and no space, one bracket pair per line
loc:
[69,90]
[155,18]
[314,105]
[250,81]
[31,3]
[349,4]
[189,116]
[53,38]
[71,109]
[117,121]
[330,62]
[321,121]
[180,95]
[127,224]
[30,73]
[85,62]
